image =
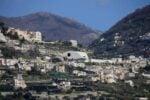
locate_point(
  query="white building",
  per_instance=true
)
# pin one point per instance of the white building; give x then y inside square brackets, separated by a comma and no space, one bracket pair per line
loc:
[142,98]
[130,82]
[76,55]
[146,75]
[100,61]
[36,36]
[60,68]
[10,62]
[132,58]
[102,39]
[109,78]
[94,78]
[19,82]
[79,73]
[65,85]
[27,68]
[74,43]
[2,61]
[76,64]
[2,38]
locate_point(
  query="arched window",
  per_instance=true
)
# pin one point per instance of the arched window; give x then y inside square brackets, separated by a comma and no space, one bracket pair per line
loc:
[69,54]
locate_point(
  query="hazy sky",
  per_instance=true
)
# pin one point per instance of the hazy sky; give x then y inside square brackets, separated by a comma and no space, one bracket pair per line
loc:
[97,14]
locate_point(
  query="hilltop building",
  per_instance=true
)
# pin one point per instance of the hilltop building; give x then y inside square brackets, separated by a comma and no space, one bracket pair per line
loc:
[27,35]
[21,34]
[36,36]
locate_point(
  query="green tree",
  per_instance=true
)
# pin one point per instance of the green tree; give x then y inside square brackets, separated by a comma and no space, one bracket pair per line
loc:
[11,52]
[28,96]
[34,53]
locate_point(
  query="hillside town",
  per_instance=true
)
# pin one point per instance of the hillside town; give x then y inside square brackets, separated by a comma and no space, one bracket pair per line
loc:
[57,70]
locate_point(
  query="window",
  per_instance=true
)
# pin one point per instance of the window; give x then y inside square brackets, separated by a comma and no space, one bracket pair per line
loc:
[69,54]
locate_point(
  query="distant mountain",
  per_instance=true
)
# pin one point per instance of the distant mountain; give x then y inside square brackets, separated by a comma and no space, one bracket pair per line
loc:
[53,27]
[130,36]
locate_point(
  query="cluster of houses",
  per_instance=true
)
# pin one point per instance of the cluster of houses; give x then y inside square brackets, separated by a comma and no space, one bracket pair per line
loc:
[82,66]
[106,71]
[117,40]
[145,37]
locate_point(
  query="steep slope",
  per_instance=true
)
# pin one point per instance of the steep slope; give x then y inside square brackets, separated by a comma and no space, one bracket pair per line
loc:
[130,36]
[53,27]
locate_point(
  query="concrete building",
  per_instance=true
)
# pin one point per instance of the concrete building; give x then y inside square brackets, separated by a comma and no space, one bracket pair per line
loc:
[130,82]
[10,62]
[146,75]
[145,37]
[76,55]
[100,61]
[76,64]
[2,61]
[79,73]
[74,43]
[19,82]
[2,38]
[65,85]
[26,47]
[60,68]
[109,78]
[94,78]
[36,36]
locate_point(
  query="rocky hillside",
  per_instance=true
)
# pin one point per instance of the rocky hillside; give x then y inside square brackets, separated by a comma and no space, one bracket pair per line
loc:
[130,36]
[53,27]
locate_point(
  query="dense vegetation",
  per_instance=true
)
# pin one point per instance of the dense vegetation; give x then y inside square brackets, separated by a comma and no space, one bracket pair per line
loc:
[9,52]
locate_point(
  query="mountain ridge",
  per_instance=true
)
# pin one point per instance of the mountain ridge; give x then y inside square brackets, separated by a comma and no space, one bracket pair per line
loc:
[130,31]
[53,27]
